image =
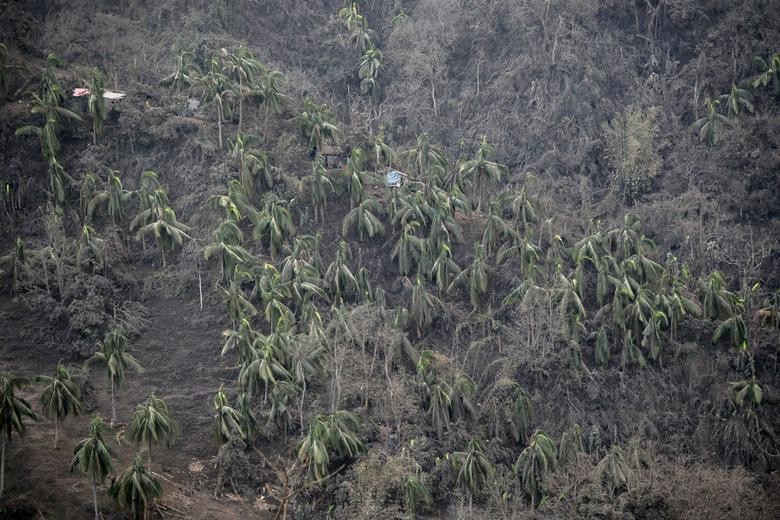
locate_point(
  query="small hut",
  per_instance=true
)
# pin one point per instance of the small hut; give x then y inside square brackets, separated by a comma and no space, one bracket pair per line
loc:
[332,156]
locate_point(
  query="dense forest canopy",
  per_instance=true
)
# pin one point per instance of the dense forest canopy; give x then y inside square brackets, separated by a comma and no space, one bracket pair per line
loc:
[400,259]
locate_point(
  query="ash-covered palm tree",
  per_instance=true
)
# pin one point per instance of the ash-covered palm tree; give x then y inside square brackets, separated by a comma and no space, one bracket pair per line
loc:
[219,91]
[227,246]
[96,105]
[339,277]
[114,352]
[337,433]
[168,232]
[363,219]
[227,420]
[13,410]
[318,124]
[185,73]
[114,197]
[535,464]
[274,226]
[429,163]
[318,184]
[92,456]
[473,467]
[136,489]
[424,307]
[153,423]
[483,170]
[60,397]
[475,277]
[89,248]
[243,67]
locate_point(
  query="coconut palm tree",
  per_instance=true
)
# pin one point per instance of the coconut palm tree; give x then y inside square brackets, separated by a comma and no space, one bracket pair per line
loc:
[237,304]
[473,467]
[733,328]
[114,352]
[336,432]
[370,65]
[414,492]
[60,397]
[269,84]
[424,307]
[136,489]
[383,153]
[96,105]
[168,232]
[318,124]
[717,301]
[317,184]
[114,197]
[443,269]
[570,445]
[13,410]
[408,248]
[262,367]
[507,410]
[483,170]
[219,91]
[274,225]
[152,423]
[339,277]
[275,294]
[497,230]
[252,163]
[475,277]
[428,161]
[362,218]
[89,248]
[242,67]
[535,463]
[227,246]
[185,73]
[92,456]
[227,419]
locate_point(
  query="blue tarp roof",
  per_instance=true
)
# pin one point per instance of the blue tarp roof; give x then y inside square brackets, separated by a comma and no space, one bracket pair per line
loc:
[393,177]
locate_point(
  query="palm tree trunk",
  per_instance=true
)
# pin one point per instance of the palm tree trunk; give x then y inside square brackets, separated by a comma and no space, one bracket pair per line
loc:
[150,454]
[240,100]
[113,404]
[94,499]
[56,430]
[2,466]
[265,123]
[162,250]
[219,123]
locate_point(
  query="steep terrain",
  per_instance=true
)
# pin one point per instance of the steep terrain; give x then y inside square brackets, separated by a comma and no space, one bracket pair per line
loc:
[582,267]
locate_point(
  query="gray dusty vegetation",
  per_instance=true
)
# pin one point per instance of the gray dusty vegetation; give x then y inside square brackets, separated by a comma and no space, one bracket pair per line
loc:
[214,306]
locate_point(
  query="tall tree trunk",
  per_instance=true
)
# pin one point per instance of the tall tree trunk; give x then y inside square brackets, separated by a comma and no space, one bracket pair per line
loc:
[94,499]
[265,123]
[56,430]
[219,124]
[113,404]
[150,454]
[2,466]
[240,101]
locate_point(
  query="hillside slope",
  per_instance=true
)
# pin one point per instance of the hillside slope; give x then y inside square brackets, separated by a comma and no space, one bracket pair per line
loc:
[581,267]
